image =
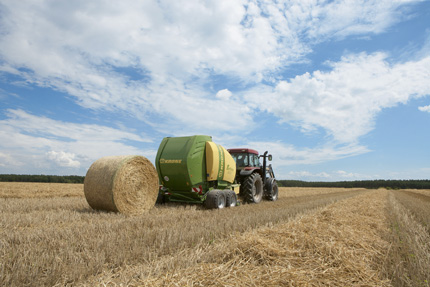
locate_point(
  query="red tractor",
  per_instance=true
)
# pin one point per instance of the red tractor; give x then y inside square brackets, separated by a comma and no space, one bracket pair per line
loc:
[256,180]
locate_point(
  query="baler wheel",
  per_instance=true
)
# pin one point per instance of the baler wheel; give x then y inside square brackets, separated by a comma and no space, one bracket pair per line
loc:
[216,199]
[231,198]
[253,188]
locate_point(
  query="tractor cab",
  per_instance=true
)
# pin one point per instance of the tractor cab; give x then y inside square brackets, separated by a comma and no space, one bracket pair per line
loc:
[245,158]
[248,161]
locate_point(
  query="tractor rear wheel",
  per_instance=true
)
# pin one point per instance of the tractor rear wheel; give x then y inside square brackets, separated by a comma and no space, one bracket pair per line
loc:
[215,199]
[252,191]
[231,198]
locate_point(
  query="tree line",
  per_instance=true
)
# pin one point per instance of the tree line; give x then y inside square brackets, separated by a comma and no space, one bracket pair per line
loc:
[42,178]
[370,184]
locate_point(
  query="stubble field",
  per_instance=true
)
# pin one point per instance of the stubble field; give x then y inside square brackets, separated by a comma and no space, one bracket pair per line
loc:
[309,237]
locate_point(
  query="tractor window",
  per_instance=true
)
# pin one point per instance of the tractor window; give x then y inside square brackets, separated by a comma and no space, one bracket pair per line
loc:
[245,160]
[256,160]
[241,159]
[251,160]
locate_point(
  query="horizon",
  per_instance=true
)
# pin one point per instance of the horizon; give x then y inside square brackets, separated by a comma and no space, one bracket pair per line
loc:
[277,179]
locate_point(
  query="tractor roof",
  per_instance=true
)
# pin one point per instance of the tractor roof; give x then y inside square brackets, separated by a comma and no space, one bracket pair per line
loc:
[247,150]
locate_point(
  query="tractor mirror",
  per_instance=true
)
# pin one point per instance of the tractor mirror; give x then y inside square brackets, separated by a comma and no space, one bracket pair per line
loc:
[270,157]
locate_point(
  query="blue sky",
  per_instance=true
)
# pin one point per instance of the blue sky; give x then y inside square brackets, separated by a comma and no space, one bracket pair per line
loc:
[335,90]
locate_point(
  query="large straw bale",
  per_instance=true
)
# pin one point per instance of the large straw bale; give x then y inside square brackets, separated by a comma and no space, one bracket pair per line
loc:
[125,184]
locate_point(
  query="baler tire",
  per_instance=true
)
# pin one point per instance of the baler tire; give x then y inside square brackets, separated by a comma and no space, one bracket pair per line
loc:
[253,188]
[215,199]
[231,198]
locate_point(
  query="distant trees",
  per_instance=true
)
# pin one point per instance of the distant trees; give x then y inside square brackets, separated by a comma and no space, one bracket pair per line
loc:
[371,184]
[42,178]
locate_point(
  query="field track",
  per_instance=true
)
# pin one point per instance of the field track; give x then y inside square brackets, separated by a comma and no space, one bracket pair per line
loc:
[419,196]
[417,203]
[58,240]
[408,258]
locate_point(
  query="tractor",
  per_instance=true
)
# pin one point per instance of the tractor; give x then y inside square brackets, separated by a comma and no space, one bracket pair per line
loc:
[256,181]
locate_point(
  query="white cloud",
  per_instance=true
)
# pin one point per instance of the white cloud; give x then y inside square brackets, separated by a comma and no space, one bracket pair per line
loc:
[349,175]
[339,175]
[300,174]
[424,109]
[63,159]
[188,108]
[306,174]
[173,48]
[345,100]
[287,155]
[224,94]
[35,125]
[7,160]
[40,141]
[339,19]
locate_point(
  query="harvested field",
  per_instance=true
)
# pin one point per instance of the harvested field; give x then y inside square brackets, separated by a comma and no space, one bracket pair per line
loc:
[338,245]
[38,190]
[309,237]
[32,190]
[302,191]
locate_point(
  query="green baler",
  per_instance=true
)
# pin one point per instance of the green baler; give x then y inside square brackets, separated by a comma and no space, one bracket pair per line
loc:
[195,170]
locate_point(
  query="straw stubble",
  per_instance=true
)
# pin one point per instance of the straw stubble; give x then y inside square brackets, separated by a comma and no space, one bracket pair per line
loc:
[339,245]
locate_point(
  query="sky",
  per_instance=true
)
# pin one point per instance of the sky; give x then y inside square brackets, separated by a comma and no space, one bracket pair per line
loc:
[334,90]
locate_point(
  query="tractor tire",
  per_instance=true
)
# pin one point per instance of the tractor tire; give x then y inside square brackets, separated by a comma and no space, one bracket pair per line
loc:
[216,199]
[271,190]
[252,191]
[231,198]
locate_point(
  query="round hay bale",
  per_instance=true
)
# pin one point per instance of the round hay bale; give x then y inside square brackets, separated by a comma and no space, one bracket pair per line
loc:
[125,184]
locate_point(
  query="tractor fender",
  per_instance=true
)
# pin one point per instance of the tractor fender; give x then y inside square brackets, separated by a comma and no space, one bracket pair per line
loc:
[247,171]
